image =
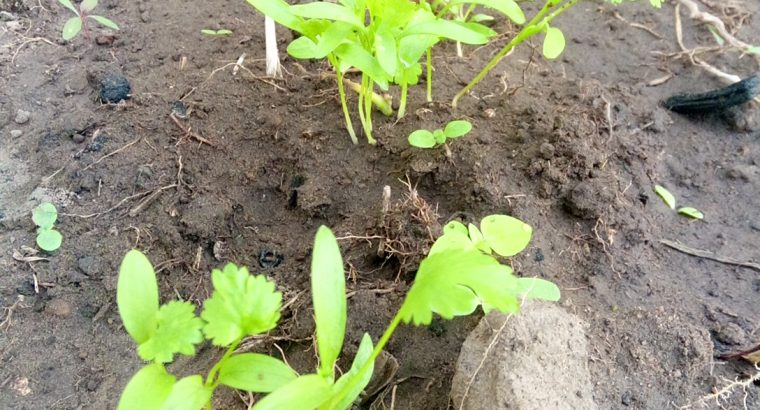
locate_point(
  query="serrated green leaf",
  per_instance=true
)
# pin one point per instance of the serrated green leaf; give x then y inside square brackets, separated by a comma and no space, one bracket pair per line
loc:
[691,212]
[454,282]
[137,296]
[537,288]
[147,389]
[255,372]
[68,5]
[509,8]
[447,29]
[327,11]
[422,139]
[88,5]
[304,393]
[554,43]
[188,393]
[455,226]
[328,288]
[45,215]
[362,356]
[71,28]
[280,12]
[105,22]
[241,305]
[456,129]
[178,330]
[666,196]
[49,239]
[506,235]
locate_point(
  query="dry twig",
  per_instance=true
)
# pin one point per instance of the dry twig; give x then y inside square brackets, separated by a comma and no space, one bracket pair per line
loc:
[709,255]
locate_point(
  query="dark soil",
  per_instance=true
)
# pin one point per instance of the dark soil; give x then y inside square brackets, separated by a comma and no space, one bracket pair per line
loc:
[265,163]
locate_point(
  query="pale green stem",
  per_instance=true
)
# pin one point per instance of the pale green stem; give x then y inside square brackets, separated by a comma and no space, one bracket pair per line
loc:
[535,26]
[429,75]
[380,102]
[211,378]
[344,105]
[402,101]
[368,83]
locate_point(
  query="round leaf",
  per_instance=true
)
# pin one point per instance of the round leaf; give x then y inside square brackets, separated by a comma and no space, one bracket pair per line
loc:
[455,226]
[147,389]
[506,235]
[137,296]
[456,129]
[554,43]
[691,212]
[45,215]
[49,239]
[255,373]
[72,27]
[422,139]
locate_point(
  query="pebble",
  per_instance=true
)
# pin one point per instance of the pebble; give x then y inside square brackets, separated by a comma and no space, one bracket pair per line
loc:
[16,133]
[755,225]
[78,138]
[59,307]
[547,150]
[89,265]
[104,39]
[114,88]
[730,333]
[22,117]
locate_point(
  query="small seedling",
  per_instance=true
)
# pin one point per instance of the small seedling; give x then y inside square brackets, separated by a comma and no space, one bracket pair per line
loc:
[44,216]
[670,201]
[428,139]
[74,25]
[216,33]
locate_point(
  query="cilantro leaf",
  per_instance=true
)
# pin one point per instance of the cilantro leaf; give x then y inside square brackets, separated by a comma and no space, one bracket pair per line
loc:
[178,330]
[241,305]
[455,281]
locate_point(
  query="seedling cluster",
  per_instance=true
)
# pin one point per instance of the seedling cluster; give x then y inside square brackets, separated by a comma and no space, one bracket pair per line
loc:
[74,25]
[670,201]
[460,273]
[44,216]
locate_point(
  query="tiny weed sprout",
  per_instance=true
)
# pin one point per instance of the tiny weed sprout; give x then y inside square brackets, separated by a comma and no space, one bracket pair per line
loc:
[691,212]
[459,274]
[428,139]
[74,25]
[554,39]
[216,33]
[44,216]
[670,201]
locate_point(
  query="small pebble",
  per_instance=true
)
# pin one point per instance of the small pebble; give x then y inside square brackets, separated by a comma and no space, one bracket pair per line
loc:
[22,117]
[78,138]
[59,307]
[755,225]
[16,133]
[104,39]
[114,88]
[489,113]
[546,150]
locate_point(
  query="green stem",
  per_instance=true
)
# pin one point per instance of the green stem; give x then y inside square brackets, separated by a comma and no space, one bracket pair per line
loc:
[429,75]
[535,26]
[344,105]
[368,85]
[378,349]
[211,378]
[402,102]
[380,102]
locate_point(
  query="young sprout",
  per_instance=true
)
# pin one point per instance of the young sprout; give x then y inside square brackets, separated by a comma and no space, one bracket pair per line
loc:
[670,201]
[216,33]
[74,25]
[44,216]
[428,139]
[272,54]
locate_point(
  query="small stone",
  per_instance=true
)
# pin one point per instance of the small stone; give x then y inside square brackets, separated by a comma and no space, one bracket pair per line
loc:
[16,133]
[22,117]
[730,333]
[89,265]
[59,307]
[755,225]
[104,39]
[489,113]
[546,150]
[114,88]
[78,138]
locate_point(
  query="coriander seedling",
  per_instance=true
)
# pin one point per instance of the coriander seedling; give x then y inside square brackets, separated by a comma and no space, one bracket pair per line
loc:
[670,201]
[216,33]
[44,216]
[74,25]
[428,139]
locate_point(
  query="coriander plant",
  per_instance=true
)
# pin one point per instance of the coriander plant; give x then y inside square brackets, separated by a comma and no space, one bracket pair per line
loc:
[459,274]
[428,139]
[44,216]
[74,25]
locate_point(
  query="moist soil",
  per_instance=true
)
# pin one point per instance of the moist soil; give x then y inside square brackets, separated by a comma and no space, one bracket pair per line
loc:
[253,166]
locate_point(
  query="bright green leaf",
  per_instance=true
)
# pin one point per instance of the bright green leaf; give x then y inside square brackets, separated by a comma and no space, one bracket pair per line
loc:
[455,226]
[455,129]
[453,239]
[304,393]
[385,50]
[188,394]
[439,136]
[72,27]
[454,282]
[137,296]
[328,288]
[477,238]
[220,32]
[88,5]
[506,235]
[716,36]
[327,11]
[241,305]
[68,5]
[447,29]
[754,50]
[280,12]
[691,212]
[481,18]
[666,196]
[255,372]
[353,55]
[303,48]
[656,3]
[554,43]
[45,215]
[49,239]
[178,330]
[105,22]
[509,8]
[147,389]
[537,288]
[362,356]
[331,38]
[422,139]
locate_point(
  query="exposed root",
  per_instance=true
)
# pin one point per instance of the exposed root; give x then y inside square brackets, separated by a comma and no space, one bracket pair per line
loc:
[720,397]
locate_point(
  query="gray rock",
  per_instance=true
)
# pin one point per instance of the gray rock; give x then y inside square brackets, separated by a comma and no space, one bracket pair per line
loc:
[22,117]
[16,133]
[538,361]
